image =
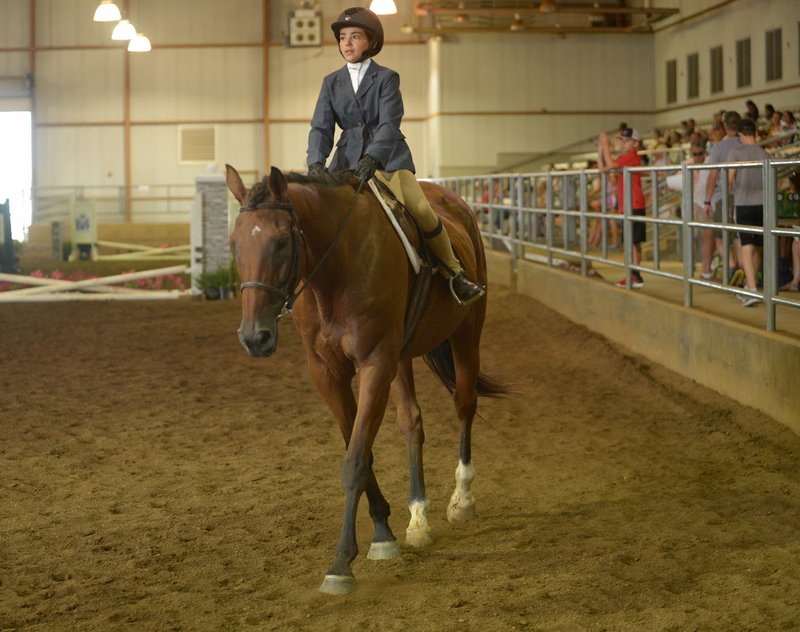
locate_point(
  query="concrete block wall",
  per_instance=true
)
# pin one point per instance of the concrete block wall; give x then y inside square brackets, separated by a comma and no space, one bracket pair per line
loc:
[754,367]
[216,248]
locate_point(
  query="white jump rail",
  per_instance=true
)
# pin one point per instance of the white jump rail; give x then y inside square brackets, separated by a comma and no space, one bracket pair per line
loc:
[64,290]
[19,279]
[138,252]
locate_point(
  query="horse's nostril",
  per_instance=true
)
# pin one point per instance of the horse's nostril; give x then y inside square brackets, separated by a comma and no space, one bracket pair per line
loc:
[262,337]
[258,342]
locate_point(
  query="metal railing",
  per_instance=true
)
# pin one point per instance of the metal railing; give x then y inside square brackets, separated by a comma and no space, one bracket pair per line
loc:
[149,203]
[550,213]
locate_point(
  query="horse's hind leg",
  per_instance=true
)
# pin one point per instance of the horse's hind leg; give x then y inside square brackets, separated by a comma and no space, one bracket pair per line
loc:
[409,417]
[467,361]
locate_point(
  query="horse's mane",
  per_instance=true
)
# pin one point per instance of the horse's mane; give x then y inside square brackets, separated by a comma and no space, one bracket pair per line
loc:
[328,179]
[261,192]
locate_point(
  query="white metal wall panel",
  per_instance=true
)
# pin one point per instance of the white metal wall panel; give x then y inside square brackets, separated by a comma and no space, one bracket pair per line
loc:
[85,155]
[287,146]
[14,23]
[79,86]
[69,23]
[188,84]
[518,73]
[14,64]
[154,151]
[198,21]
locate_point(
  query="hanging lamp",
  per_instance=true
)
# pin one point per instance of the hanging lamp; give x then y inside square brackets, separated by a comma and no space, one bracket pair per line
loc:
[107,11]
[124,30]
[383,7]
[139,44]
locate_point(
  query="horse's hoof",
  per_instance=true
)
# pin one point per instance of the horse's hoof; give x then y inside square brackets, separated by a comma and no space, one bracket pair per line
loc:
[338,585]
[460,513]
[383,550]
[419,538]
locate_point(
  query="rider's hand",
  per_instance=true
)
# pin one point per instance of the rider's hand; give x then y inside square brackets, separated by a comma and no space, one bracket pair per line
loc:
[317,170]
[366,167]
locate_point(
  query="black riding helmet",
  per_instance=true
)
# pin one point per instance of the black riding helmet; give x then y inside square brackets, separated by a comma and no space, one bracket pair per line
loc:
[365,19]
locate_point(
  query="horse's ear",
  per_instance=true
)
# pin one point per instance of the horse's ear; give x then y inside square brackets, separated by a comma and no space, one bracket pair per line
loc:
[277,184]
[235,184]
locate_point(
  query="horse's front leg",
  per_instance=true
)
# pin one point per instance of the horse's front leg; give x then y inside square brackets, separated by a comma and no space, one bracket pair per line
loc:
[409,417]
[336,390]
[356,467]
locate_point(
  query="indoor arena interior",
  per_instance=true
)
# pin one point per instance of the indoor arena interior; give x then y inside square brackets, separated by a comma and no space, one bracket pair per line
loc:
[208,330]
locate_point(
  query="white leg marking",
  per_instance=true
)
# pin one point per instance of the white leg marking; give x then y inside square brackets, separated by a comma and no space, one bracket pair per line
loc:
[418,533]
[462,503]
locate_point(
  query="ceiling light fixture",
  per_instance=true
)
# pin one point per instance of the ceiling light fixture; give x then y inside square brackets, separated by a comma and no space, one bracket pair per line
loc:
[139,44]
[124,30]
[383,7]
[107,11]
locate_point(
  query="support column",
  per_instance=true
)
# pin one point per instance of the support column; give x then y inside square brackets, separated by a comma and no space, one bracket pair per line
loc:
[209,226]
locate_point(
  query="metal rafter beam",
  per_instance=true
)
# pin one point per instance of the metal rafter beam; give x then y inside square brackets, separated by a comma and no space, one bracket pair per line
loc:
[432,8]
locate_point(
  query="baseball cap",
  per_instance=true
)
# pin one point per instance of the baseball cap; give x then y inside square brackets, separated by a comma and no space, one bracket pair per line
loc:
[629,134]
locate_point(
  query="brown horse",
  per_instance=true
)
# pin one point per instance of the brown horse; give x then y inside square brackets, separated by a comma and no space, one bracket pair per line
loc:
[335,243]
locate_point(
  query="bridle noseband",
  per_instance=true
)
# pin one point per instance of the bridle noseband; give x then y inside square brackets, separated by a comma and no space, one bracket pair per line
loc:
[287,293]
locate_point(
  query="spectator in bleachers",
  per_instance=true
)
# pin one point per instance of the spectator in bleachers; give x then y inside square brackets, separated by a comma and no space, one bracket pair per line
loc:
[596,232]
[748,191]
[707,238]
[792,244]
[687,130]
[654,140]
[718,154]
[717,131]
[629,158]
[660,155]
[794,284]
[751,110]
[774,127]
[788,124]
[699,136]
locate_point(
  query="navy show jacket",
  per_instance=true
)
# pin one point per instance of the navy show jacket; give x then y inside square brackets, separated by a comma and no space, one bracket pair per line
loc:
[370,121]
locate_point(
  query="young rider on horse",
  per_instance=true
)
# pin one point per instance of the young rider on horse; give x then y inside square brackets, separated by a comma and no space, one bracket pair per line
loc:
[364,99]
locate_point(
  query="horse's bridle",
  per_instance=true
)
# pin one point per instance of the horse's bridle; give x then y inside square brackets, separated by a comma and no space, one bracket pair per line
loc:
[287,293]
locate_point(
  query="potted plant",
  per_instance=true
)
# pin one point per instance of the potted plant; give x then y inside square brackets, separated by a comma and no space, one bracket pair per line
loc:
[217,284]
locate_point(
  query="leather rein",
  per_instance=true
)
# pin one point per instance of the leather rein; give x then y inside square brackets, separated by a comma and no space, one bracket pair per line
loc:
[287,292]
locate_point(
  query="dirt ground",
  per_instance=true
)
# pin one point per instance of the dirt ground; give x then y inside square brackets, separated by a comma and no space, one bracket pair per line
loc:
[154,477]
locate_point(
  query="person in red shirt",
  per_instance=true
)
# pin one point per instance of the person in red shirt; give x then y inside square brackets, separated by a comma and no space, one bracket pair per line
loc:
[629,158]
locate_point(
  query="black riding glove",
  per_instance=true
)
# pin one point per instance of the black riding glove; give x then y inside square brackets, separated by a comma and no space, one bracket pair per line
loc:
[317,170]
[366,167]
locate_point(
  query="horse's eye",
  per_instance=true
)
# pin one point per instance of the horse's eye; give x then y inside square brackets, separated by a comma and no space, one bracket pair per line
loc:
[283,242]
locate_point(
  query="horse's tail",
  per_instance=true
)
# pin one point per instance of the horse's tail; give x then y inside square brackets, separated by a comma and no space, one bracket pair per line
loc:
[440,361]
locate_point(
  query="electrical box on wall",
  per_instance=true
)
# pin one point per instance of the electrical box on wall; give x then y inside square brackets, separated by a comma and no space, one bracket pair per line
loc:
[305,28]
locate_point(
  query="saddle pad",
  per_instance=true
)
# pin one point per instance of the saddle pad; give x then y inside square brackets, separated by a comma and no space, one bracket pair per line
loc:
[413,256]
